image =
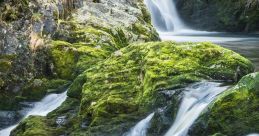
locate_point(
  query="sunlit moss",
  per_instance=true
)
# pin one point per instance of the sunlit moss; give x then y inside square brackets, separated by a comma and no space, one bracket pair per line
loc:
[129,81]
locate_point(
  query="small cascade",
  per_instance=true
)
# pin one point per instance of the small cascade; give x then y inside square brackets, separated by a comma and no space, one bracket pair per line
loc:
[42,108]
[165,16]
[196,98]
[141,128]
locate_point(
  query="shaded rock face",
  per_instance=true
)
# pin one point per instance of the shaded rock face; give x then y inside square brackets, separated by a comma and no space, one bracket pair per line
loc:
[220,15]
[25,29]
[112,95]
[8,118]
[235,112]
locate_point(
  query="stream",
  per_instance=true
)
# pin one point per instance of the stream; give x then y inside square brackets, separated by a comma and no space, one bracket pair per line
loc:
[41,108]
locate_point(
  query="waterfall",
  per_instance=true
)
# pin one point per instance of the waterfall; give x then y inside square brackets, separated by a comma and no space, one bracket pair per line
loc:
[42,108]
[165,16]
[141,128]
[196,99]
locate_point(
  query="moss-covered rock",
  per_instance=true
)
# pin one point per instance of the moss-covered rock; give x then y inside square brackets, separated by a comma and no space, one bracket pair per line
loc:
[38,88]
[235,112]
[126,85]
[70,59]
[35,126]
[119,91]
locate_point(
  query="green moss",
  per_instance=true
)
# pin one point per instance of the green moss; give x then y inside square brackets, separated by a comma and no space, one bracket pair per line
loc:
[65,58]
[35,126]
[5,65]
[8,101]
[119,91]
[14,10]
[129,81]
[71,59]
[235,112]
[38,88]
[37,17]
[75,88]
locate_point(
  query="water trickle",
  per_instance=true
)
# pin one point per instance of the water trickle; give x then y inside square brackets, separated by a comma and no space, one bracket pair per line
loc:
[141,128]
[42,108]
[195,100]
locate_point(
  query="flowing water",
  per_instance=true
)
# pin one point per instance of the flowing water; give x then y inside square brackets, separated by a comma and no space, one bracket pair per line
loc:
[42,108]
[141,128]
[196,98]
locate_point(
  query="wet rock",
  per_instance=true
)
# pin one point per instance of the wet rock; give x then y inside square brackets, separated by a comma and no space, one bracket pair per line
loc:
[61,121]
[8,118]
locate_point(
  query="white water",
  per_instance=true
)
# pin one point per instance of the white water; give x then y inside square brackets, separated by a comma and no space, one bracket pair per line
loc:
[253,134]
[165,16]
[42,108]
[195,100]
[141,128]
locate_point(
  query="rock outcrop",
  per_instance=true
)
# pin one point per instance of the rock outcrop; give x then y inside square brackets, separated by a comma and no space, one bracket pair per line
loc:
[42,39]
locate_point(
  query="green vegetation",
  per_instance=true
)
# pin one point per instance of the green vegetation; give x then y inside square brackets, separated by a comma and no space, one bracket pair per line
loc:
[116,92]
[38,88]
[35,126]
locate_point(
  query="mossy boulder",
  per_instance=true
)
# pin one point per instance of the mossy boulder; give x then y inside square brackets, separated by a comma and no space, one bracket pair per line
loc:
[235,112]
[126,86]
[35,126]
[113,95]
[81,48]
[70,59]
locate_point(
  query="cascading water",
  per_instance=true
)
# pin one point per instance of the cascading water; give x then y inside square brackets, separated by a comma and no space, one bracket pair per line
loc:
[42,108]
[196,98]
[141,128]
[165,16]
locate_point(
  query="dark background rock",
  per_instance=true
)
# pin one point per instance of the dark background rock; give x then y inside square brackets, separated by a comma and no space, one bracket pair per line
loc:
[220,15]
